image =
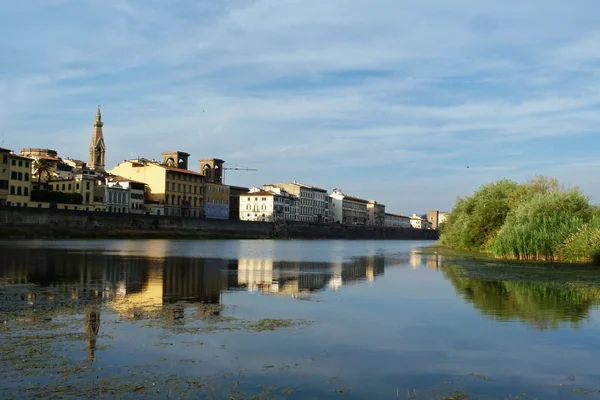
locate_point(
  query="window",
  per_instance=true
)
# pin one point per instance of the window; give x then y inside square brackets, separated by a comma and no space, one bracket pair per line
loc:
[63,186]
[13,175]
[70,186]
[12,190]
[20,163]
[87,185]
[27,166]
[19,192]
[13,162]
[5,159]
[77,186]
[26,193]
[26,177]
[3,184]
[179,187]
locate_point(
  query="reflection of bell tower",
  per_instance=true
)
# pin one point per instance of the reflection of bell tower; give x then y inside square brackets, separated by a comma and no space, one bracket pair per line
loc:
[176,159]
[97,148]
[92,327]
[212,169]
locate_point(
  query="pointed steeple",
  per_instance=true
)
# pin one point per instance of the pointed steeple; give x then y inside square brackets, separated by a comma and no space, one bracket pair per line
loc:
[98,121]
[97,147]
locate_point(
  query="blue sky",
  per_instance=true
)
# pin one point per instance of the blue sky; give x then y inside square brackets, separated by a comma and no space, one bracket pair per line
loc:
[386,99]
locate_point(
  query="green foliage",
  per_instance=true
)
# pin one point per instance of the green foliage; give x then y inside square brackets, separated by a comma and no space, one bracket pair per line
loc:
[536,238]
[474,220]
[41,167]
[584,244]
[532,221]
[541,305]
[48,196]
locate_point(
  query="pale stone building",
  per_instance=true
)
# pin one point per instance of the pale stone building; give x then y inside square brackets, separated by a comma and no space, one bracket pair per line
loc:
[274,204]
[376,213]
[349,210]
[416,222]
[117,198]
[397,221]
[436,217]
[314,202]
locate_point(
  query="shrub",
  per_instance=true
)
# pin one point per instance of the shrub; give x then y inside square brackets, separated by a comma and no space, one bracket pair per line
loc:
[584,244]
[57,197]
[536,238]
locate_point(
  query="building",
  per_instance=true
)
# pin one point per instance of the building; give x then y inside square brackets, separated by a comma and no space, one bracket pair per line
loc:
[97,147]
[349,210]
[268,205]
[397,221]
[416,222]
[215,201]
[117,198]
[375,213]
[315,204]
[19,182]
[56,167]
[234,200]
[436,217]
[177,188]
[4,175]
[216,195]
[135,193]
[92,192]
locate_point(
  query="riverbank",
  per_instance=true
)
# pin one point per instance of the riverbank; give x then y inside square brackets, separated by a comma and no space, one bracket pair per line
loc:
[27,232]
[33,223]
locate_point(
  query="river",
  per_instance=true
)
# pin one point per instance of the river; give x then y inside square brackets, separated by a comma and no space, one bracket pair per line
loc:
[265,319]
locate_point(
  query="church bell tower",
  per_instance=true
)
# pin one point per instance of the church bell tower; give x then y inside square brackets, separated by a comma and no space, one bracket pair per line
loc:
[97,147]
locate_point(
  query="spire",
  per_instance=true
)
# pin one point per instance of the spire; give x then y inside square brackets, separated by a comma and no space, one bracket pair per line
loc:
[98,121]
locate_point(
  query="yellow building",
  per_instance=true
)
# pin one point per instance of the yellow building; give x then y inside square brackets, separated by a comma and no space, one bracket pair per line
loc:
[19,180]
[171,183]
[216,200]
[4,175]
[91,193]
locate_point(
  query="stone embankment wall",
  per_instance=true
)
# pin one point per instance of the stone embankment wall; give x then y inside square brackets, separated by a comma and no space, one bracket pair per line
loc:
[36,218]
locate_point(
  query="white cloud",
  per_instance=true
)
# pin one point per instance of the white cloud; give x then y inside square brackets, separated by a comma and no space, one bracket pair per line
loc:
[387,99]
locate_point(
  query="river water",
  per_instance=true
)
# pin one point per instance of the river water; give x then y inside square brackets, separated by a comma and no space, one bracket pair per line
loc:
[263,319]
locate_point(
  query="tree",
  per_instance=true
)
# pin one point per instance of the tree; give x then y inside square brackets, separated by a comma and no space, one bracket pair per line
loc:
[41,167]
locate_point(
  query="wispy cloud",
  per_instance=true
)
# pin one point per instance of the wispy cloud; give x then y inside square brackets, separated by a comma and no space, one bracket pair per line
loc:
[385,99]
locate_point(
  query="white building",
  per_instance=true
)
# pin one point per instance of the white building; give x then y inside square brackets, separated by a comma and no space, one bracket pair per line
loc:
[117,198]
[416,222]
[274,204]
[135,195]
[348,210]
[397,221]
[314,202]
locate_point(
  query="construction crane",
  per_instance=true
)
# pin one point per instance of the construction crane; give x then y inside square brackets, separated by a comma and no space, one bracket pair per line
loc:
[236,169]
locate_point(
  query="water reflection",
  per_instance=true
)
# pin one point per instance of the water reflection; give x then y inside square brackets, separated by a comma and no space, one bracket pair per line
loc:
[135,286]
[542,305]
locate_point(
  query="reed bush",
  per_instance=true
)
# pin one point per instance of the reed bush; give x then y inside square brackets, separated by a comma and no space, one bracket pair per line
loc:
[535,238]
[584,244]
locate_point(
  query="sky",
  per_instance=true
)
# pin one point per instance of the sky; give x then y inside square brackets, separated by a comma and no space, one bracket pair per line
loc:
[410,103]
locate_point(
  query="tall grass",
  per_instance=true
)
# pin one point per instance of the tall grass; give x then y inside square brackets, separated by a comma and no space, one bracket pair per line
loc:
[584,244]
[537,238]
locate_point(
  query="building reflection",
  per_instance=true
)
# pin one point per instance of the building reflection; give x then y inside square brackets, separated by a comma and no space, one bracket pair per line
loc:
[290,278]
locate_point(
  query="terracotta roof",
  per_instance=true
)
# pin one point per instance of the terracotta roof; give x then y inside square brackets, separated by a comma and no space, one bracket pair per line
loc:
[397,215]
[43,157]
[183,171]
[311,187]
[356,198]
[121,179]
[261,193]
[21,157]
[5,149]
